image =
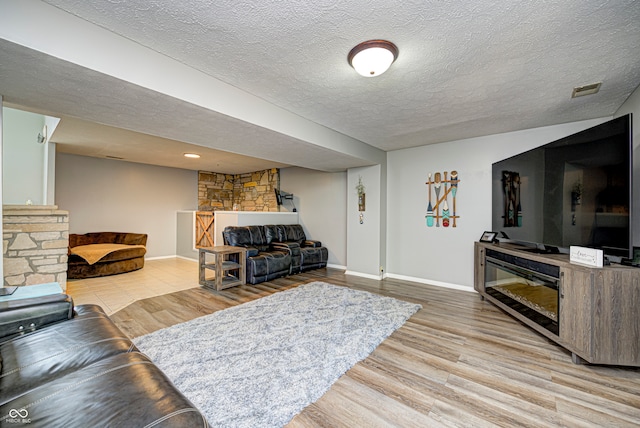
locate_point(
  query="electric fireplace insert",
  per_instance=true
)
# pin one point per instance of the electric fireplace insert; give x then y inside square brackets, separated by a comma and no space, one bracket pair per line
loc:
[527,286]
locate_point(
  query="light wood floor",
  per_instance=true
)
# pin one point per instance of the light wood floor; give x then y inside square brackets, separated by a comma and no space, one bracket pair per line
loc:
[459,361]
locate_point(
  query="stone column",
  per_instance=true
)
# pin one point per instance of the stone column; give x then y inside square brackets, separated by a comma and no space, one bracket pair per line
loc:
[35,244]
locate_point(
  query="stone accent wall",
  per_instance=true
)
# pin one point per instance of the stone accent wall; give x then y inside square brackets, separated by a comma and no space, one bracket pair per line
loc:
[215,191]
[35,243]
[246,192]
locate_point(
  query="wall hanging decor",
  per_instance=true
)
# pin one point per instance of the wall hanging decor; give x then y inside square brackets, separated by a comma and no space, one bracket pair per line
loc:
[361,199]
[443,184]
[512,207]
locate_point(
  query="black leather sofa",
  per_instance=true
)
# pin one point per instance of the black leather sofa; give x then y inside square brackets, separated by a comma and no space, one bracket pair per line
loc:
[276,250]
[73,367]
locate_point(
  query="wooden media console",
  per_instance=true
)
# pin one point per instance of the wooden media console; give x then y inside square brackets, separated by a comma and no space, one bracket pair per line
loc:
[592,312]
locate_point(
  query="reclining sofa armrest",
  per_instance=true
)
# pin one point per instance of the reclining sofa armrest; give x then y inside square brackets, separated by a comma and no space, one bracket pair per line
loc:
[251,251]
[25,315]
[292,248]
[310,243]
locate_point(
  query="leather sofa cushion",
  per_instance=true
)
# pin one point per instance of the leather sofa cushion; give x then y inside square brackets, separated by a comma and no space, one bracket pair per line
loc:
[246,236]
[313,256]
[44,355]
[89,310]
[21,316]
[267,263]
[291,233]
[123,390]
[271,233]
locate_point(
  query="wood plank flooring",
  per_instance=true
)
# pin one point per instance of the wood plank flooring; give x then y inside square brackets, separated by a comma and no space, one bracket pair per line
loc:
[458,362]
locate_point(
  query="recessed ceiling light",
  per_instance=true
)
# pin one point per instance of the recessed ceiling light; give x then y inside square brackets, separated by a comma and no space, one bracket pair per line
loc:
[373,57]
[191,155]
[580,91]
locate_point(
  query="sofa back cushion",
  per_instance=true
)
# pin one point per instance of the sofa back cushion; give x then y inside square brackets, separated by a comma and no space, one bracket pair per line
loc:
[245,236]
[107,238]
[291,233]
[271,233]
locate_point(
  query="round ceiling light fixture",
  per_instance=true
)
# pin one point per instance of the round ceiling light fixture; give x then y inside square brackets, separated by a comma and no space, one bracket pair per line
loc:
[191,155]
[373,57]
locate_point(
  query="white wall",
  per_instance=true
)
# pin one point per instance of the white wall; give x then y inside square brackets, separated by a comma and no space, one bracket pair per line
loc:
[445,255]
[321,200]
[365,242]
[632,105]
[104,195]
[23,158]
[49,174]
[186,235]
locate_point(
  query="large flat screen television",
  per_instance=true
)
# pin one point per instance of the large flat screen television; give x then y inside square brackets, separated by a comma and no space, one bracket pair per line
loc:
[573,191]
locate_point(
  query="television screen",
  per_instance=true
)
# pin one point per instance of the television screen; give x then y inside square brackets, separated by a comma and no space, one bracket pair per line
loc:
[573,191]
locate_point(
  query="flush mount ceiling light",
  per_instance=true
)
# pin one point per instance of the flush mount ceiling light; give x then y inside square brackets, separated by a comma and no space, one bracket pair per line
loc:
[373,57]
[191,155]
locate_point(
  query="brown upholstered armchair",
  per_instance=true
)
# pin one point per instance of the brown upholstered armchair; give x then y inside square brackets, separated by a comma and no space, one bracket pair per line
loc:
[105,253]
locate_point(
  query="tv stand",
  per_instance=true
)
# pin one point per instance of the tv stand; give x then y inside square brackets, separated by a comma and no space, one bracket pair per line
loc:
[592,312]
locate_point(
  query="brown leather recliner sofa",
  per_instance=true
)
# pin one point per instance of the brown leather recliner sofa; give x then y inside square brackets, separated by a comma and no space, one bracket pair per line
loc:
[105,253]
[61,366]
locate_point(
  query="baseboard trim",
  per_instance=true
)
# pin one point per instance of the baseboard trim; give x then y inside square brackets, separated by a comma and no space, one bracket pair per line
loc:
[161,257]
[364,275]
[430,282]
[187,258]
[340,267]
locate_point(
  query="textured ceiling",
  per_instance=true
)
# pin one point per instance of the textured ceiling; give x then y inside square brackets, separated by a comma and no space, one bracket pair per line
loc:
[465,68]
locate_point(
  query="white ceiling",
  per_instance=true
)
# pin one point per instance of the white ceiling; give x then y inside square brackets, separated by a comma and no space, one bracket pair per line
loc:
[465,69]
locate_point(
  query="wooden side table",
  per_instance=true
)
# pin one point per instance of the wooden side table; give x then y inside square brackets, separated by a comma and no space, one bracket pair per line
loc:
[227,272]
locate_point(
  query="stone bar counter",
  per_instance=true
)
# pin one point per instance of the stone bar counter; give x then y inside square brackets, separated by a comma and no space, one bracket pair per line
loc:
[35,243]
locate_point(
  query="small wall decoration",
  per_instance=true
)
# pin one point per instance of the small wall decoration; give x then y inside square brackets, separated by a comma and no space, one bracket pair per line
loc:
[512,207]
[361,199]
[438,209]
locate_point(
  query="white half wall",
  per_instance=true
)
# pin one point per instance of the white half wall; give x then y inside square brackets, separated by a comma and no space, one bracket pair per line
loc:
[445,255]
[321,200]
[223,219]
[104,195]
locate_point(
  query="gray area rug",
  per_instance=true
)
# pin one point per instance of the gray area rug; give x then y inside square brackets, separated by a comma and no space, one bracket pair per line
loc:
[260,363]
